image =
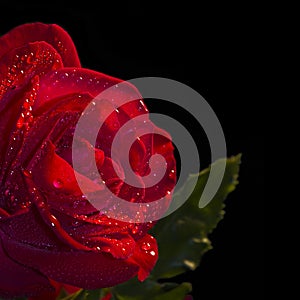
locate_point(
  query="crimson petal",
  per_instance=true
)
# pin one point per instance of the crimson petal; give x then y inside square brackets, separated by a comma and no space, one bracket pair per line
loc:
[29,228]
[18,90]
[104,234]
[50,33]
[56,177]
[86,269]
[145,256]
[64,81]
[24,62]
[18,280]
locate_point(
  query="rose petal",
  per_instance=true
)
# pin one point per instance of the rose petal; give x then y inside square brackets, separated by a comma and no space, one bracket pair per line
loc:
[118,245]
[64,81]
[52,34]
[104,234]
[57,179]
[58,120]
[30,229]
[28,151]
[86,269]
[18,280]
[18,94]
[162,145]
[145,256]
[24,62]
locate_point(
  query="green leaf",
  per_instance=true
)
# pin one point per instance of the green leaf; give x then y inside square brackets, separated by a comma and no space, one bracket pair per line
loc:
[75,296]
[84,295]
[182,236]
[135,290]
[91,294]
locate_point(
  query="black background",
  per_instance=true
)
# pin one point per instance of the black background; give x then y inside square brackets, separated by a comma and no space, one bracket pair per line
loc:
[214,51]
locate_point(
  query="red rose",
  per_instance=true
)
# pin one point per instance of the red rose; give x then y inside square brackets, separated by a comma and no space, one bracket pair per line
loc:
[48,229]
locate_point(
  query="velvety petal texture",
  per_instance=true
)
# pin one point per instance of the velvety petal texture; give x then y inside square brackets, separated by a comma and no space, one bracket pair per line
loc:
[52,34]
[50,234]
[19,280]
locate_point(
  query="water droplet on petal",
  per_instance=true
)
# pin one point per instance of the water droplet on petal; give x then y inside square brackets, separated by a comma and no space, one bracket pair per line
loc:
[27,173]
[57,183]
[152,253]
[20,123]
[172,175]
[146,246]
[135,229]
[30,59]
[75,223]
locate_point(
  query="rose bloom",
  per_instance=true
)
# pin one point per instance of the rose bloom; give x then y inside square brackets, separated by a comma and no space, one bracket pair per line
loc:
[49,231]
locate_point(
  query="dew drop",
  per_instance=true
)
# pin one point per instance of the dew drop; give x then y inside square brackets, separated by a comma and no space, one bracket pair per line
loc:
[103,218]
[172,175]
[75,223]
[26,104]
[100,183]
[146,246]
[27,173]
[135,229]
[30,59]
[152,253]
[57,183]
[41,204]
[20,123]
